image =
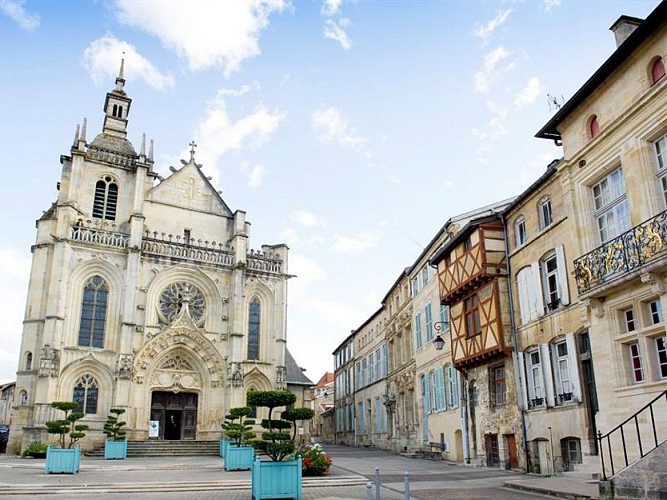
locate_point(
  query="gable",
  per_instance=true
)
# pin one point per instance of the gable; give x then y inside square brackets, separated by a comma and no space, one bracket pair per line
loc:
[189,188]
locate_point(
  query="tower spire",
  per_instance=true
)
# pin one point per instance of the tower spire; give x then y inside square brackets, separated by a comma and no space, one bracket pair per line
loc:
[120,79]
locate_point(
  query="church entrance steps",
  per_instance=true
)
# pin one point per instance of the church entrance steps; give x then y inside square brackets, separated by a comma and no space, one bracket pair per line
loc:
[164,448]
[235,484]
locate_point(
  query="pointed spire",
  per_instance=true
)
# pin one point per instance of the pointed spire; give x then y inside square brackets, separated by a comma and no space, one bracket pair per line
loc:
[76,137]
[150,151]
[142,150]
[120,79]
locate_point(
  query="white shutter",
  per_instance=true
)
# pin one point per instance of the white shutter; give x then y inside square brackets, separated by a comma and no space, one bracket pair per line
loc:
[574,366]
[535,290]
[520,375]
[529,375]
[523,281]
[562,276]
[545,361]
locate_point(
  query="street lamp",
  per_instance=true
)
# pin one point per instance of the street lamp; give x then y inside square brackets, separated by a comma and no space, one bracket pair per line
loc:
[438,341]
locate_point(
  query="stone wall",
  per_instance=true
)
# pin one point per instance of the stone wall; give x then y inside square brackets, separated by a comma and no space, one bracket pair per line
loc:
[646,478]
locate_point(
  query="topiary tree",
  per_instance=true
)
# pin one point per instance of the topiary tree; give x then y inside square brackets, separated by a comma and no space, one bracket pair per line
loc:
[240,432]
[295,414]
[275,442]
[67,427]
[113,428]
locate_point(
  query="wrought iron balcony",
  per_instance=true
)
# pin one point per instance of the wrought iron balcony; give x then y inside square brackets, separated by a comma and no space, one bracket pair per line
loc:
[625,253]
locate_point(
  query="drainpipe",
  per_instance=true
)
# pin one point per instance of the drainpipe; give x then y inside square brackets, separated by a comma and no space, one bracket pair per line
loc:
[515,340]
[464,418]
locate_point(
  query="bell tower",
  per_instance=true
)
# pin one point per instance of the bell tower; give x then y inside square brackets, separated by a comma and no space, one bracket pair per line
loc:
[117,107]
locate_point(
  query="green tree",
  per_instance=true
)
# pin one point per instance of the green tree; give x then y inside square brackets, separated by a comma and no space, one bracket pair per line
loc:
[113,427]
[67,427]
[240,432]
[275,442]
[293,415]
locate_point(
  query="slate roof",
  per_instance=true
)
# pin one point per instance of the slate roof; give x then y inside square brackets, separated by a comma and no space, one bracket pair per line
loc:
[294,374]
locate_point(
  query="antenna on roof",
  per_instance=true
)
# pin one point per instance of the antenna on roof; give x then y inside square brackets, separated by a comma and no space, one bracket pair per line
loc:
[555,101]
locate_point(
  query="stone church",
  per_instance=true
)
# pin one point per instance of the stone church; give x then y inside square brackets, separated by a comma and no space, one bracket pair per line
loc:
[145,294]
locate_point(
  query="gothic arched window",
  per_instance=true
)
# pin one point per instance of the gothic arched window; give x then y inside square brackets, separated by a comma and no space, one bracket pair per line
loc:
[85,394]
[93,312]
[253,328]
[28,361]
[106,199]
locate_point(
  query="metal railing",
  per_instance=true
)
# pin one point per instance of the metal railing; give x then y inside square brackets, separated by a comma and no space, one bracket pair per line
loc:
[623,254]
[643,446]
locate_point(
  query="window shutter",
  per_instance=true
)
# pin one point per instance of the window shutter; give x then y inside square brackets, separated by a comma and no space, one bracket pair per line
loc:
[548,375]
[535,291]
[520,375]
[427,395]
[440,374]
[522,279]
[454,376]
[562,276]
[573,366]
[556,368]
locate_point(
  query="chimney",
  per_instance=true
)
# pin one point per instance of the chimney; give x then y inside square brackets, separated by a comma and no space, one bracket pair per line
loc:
[624,27]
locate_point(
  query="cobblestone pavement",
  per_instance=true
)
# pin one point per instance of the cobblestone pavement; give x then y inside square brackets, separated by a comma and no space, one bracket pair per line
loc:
[202,478]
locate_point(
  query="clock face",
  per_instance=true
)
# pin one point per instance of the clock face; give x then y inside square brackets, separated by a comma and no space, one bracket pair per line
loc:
[175,295]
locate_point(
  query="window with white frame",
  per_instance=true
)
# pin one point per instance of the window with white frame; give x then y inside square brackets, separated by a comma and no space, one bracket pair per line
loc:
[628,320]
[545,213]
[535,379]
[444,317]
[563,378]
[654,311]
[520,231]
[661,154]
[661,351]
[542,287]
[636,363]
[611,206]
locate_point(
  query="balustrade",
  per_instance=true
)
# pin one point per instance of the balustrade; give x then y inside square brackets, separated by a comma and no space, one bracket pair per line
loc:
[623,254]
[101,237]
[263,262]
[166,245]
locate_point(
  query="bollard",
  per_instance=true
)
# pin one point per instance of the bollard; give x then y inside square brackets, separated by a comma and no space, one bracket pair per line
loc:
[377,483]
[406,486]
[369,491]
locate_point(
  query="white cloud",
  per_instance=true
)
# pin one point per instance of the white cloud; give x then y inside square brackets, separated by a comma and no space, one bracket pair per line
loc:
[363,241]
[336,31]
[491,70]
[289,236]
[331,7]
[550,4]
[529,93]
[334,128]
[254,173]
[14,275]
[486,30]
[14,10]
[307,270]
[217,134]
[307,219]
[211,34]
[102,60]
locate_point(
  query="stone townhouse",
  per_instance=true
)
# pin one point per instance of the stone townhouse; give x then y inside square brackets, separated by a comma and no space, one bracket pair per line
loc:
[344,391]
[370,375]
[473,282]
[614,136]
[556,380]
[145,294]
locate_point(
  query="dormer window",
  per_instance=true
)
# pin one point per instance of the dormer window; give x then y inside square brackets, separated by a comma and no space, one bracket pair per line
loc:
[106,199]
[657,70]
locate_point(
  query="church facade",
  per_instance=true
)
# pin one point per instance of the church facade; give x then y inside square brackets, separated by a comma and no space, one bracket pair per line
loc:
[145,294]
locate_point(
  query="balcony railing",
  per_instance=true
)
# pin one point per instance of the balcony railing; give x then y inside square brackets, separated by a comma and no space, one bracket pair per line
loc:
[623,254]
[261,262]
[166,245]
[101,237]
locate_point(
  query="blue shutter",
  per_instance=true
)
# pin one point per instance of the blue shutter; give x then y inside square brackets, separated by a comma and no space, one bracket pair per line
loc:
[418,329]
[429,323]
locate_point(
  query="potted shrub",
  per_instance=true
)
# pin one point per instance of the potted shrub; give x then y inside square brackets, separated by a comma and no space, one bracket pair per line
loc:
[281,476]
[65,458]
[35,450]
[115,446]
[314,461]
[238,430]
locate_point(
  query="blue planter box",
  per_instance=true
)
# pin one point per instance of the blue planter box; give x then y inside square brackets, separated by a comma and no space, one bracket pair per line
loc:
[239,457]
[276,479]
[115,450]
[224,444]
[62,460]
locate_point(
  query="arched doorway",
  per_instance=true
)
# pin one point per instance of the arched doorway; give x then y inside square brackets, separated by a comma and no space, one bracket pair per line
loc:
[176,414]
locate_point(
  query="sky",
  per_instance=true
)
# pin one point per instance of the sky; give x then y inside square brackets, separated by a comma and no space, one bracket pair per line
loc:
[351,130]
